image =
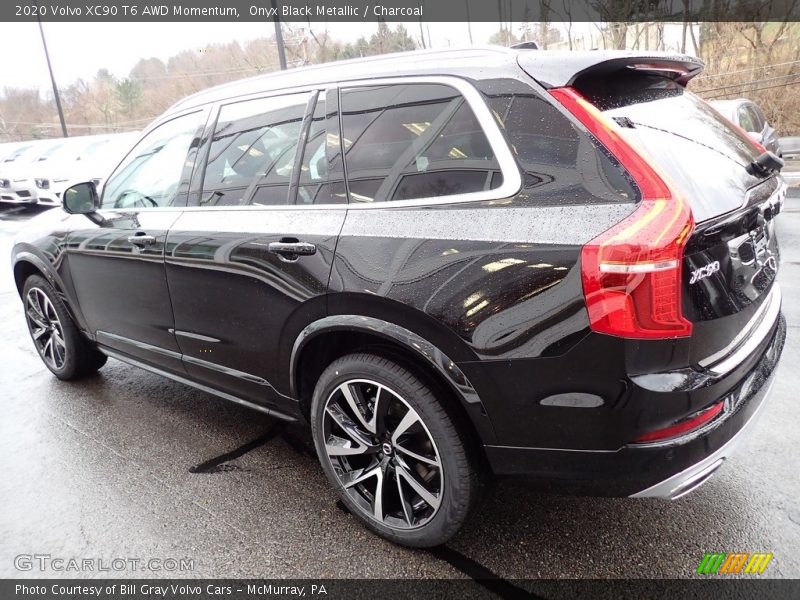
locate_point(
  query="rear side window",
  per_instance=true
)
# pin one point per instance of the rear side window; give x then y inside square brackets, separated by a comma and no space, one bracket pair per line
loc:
[746,119]
[702,153]
[252,153]
[757,117]
[411,141]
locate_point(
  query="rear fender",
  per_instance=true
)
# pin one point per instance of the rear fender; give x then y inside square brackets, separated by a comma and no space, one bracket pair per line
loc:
[413,344]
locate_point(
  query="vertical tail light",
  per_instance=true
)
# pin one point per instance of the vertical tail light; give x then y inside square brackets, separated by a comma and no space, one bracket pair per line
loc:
[632,272]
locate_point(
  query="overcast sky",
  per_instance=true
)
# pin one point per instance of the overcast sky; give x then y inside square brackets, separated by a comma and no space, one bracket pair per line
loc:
[78,50]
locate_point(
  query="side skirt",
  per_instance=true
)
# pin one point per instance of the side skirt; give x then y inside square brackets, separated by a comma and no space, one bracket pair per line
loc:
[131,361]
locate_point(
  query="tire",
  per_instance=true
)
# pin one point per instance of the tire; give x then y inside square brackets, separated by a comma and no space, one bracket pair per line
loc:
[411,445]
[60,345]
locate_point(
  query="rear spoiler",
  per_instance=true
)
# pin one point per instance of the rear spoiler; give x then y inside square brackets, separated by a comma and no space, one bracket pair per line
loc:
[564,68]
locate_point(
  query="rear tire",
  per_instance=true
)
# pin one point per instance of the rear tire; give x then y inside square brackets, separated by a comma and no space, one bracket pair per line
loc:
[392,451]
[60,344]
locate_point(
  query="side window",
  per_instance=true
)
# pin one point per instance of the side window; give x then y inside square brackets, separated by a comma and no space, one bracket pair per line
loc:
[252,152]
[559,162]
[406,141]
[320,181]
[746,119]
[156,172]
[756,116]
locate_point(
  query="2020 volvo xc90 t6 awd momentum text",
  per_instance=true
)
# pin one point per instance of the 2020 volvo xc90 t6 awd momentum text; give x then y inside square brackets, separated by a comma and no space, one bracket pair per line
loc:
[449,264]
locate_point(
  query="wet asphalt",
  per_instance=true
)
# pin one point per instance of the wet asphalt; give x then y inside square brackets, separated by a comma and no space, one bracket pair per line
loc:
[127,464]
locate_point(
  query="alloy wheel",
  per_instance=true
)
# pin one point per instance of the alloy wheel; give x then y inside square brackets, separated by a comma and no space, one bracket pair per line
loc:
[383,454]
[45,328]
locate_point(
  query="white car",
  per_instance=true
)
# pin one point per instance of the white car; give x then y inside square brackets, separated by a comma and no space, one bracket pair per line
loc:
[84,159]
[9,148]
[16,184]
[747,115]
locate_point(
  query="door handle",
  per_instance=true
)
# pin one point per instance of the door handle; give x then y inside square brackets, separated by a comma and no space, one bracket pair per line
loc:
[291,250]
[142,239]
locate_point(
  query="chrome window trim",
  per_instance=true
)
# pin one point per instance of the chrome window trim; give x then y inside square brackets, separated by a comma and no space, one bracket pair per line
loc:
[512,179]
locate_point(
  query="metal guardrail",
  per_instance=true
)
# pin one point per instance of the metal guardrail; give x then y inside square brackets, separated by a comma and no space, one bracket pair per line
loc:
[790,148]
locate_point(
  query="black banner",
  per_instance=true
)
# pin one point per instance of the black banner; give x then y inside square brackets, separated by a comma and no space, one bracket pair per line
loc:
[400,10]
[374,589]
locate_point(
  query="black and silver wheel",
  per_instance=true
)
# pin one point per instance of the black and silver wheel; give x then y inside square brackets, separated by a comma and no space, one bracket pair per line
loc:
[59,343]
[392,451]
[46,329]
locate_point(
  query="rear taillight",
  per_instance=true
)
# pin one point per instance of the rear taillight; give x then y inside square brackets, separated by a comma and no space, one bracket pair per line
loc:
[683,427]
[632,272]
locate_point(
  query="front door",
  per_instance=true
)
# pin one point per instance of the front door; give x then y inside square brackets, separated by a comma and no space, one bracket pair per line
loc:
[116,261]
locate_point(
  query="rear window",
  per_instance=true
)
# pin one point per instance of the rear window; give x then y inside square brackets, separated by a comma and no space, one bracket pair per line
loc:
[703,154]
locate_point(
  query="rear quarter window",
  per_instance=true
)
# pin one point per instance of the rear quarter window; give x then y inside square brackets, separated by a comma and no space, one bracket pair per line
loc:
[561,163]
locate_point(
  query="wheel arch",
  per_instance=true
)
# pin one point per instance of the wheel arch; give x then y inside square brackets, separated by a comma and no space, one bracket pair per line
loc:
[25,268]
[329,338]
[27,264]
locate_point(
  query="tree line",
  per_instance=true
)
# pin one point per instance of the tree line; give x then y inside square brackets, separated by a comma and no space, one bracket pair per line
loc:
[756,59]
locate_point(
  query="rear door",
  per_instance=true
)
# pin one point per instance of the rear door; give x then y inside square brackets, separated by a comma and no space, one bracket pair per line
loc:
[248,265]
[731,260]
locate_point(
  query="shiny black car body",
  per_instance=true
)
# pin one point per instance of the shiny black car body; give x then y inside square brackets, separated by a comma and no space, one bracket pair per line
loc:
[464,261]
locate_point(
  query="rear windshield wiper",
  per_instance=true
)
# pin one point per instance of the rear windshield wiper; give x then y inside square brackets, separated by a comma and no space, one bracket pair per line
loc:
[763,166]
[688,139]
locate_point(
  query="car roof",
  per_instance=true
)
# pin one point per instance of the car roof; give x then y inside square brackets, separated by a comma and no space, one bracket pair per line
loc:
[385,65]
[552,68]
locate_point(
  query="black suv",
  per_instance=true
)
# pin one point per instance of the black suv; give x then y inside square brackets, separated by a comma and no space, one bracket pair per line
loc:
[449,263]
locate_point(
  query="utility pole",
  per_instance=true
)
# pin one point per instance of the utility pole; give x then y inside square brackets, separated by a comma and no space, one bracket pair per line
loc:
[469,22]
[279,36]
[52,78]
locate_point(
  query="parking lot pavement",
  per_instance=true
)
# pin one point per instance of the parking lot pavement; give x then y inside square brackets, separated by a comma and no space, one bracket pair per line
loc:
[127,464]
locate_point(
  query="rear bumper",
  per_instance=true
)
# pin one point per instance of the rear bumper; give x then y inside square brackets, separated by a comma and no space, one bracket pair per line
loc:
[668,470]
[691,478]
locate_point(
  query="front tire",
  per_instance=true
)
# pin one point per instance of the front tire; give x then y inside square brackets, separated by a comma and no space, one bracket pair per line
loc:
[60,345]
[392,451]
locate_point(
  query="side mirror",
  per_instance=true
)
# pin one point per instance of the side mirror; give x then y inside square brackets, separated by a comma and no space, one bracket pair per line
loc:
[81,199]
